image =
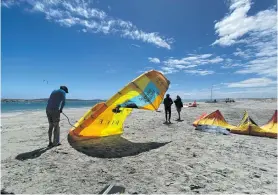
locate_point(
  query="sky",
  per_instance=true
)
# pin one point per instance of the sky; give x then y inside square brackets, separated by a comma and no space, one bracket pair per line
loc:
[96,47]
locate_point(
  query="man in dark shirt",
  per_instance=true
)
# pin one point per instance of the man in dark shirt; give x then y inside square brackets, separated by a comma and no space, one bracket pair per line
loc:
[167,106]
[55,105]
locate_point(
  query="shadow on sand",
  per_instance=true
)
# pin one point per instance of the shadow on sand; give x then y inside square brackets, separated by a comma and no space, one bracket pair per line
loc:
[112,147]
[167,123]
[3,191]
[32,154]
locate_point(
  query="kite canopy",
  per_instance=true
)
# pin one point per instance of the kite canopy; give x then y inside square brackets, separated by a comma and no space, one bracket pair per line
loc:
[248,127]
[215,119]
[195,123]
[107,118]
[271,126]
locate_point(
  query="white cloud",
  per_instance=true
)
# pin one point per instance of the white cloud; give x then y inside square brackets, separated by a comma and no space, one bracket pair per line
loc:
[39,7]
[188,66]
[9,3]
[214,60]
[168,70]
[154,60]
[262,66]
[232,65]
[178,66]
[191,61]
[245,54]
[252,82]
[205,56]
[82,14]
[237,24]
[200,72]
[257,34]
[194,60]
[146,37]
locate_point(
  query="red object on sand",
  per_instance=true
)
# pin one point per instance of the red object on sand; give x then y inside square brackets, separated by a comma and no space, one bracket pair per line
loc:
[193,105]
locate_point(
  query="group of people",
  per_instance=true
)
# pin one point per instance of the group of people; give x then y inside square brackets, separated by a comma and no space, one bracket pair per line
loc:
[56,103]
[168,104]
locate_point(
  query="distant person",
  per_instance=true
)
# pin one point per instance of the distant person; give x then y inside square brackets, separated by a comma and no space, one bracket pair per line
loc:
[167,106]
[179,105]
[55,105]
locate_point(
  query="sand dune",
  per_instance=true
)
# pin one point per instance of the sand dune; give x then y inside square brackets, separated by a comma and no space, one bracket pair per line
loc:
[150,157]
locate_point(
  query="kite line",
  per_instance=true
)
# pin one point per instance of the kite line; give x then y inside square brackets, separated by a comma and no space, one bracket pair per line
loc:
[68,120]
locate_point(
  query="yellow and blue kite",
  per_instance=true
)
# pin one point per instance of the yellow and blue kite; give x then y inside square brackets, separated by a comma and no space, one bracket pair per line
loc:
[107,118]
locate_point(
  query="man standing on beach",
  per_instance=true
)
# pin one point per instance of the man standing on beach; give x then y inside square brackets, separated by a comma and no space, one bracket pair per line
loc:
[179,105]
[167,107]
[55,105]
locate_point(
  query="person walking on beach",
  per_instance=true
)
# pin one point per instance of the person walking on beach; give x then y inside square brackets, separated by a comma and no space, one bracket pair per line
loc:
[179,105]
[167,106]
[55,105]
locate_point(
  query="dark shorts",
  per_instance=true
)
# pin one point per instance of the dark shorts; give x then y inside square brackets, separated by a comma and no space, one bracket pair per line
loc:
[168,109]
[53,116]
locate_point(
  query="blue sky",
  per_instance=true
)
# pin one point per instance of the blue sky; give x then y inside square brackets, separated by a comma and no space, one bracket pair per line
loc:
[97,47]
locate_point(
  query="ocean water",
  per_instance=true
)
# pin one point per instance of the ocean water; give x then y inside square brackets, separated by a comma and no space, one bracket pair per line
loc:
[10,107]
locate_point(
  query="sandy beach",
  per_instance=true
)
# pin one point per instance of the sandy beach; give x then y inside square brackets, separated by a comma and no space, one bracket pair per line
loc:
[150,157]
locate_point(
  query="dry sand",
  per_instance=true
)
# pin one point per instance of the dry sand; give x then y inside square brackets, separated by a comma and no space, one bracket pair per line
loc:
[149,157]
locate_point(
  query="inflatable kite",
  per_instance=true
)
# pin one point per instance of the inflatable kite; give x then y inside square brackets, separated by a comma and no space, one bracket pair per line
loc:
[271,126]
[107,118]
[246,127]
[215,119]
[193,105]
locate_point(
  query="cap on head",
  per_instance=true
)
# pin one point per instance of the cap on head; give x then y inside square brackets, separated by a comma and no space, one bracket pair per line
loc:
[64,88]
[168,95]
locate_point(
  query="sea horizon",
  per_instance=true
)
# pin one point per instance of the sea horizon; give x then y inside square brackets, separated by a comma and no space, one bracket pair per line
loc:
[22,105]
